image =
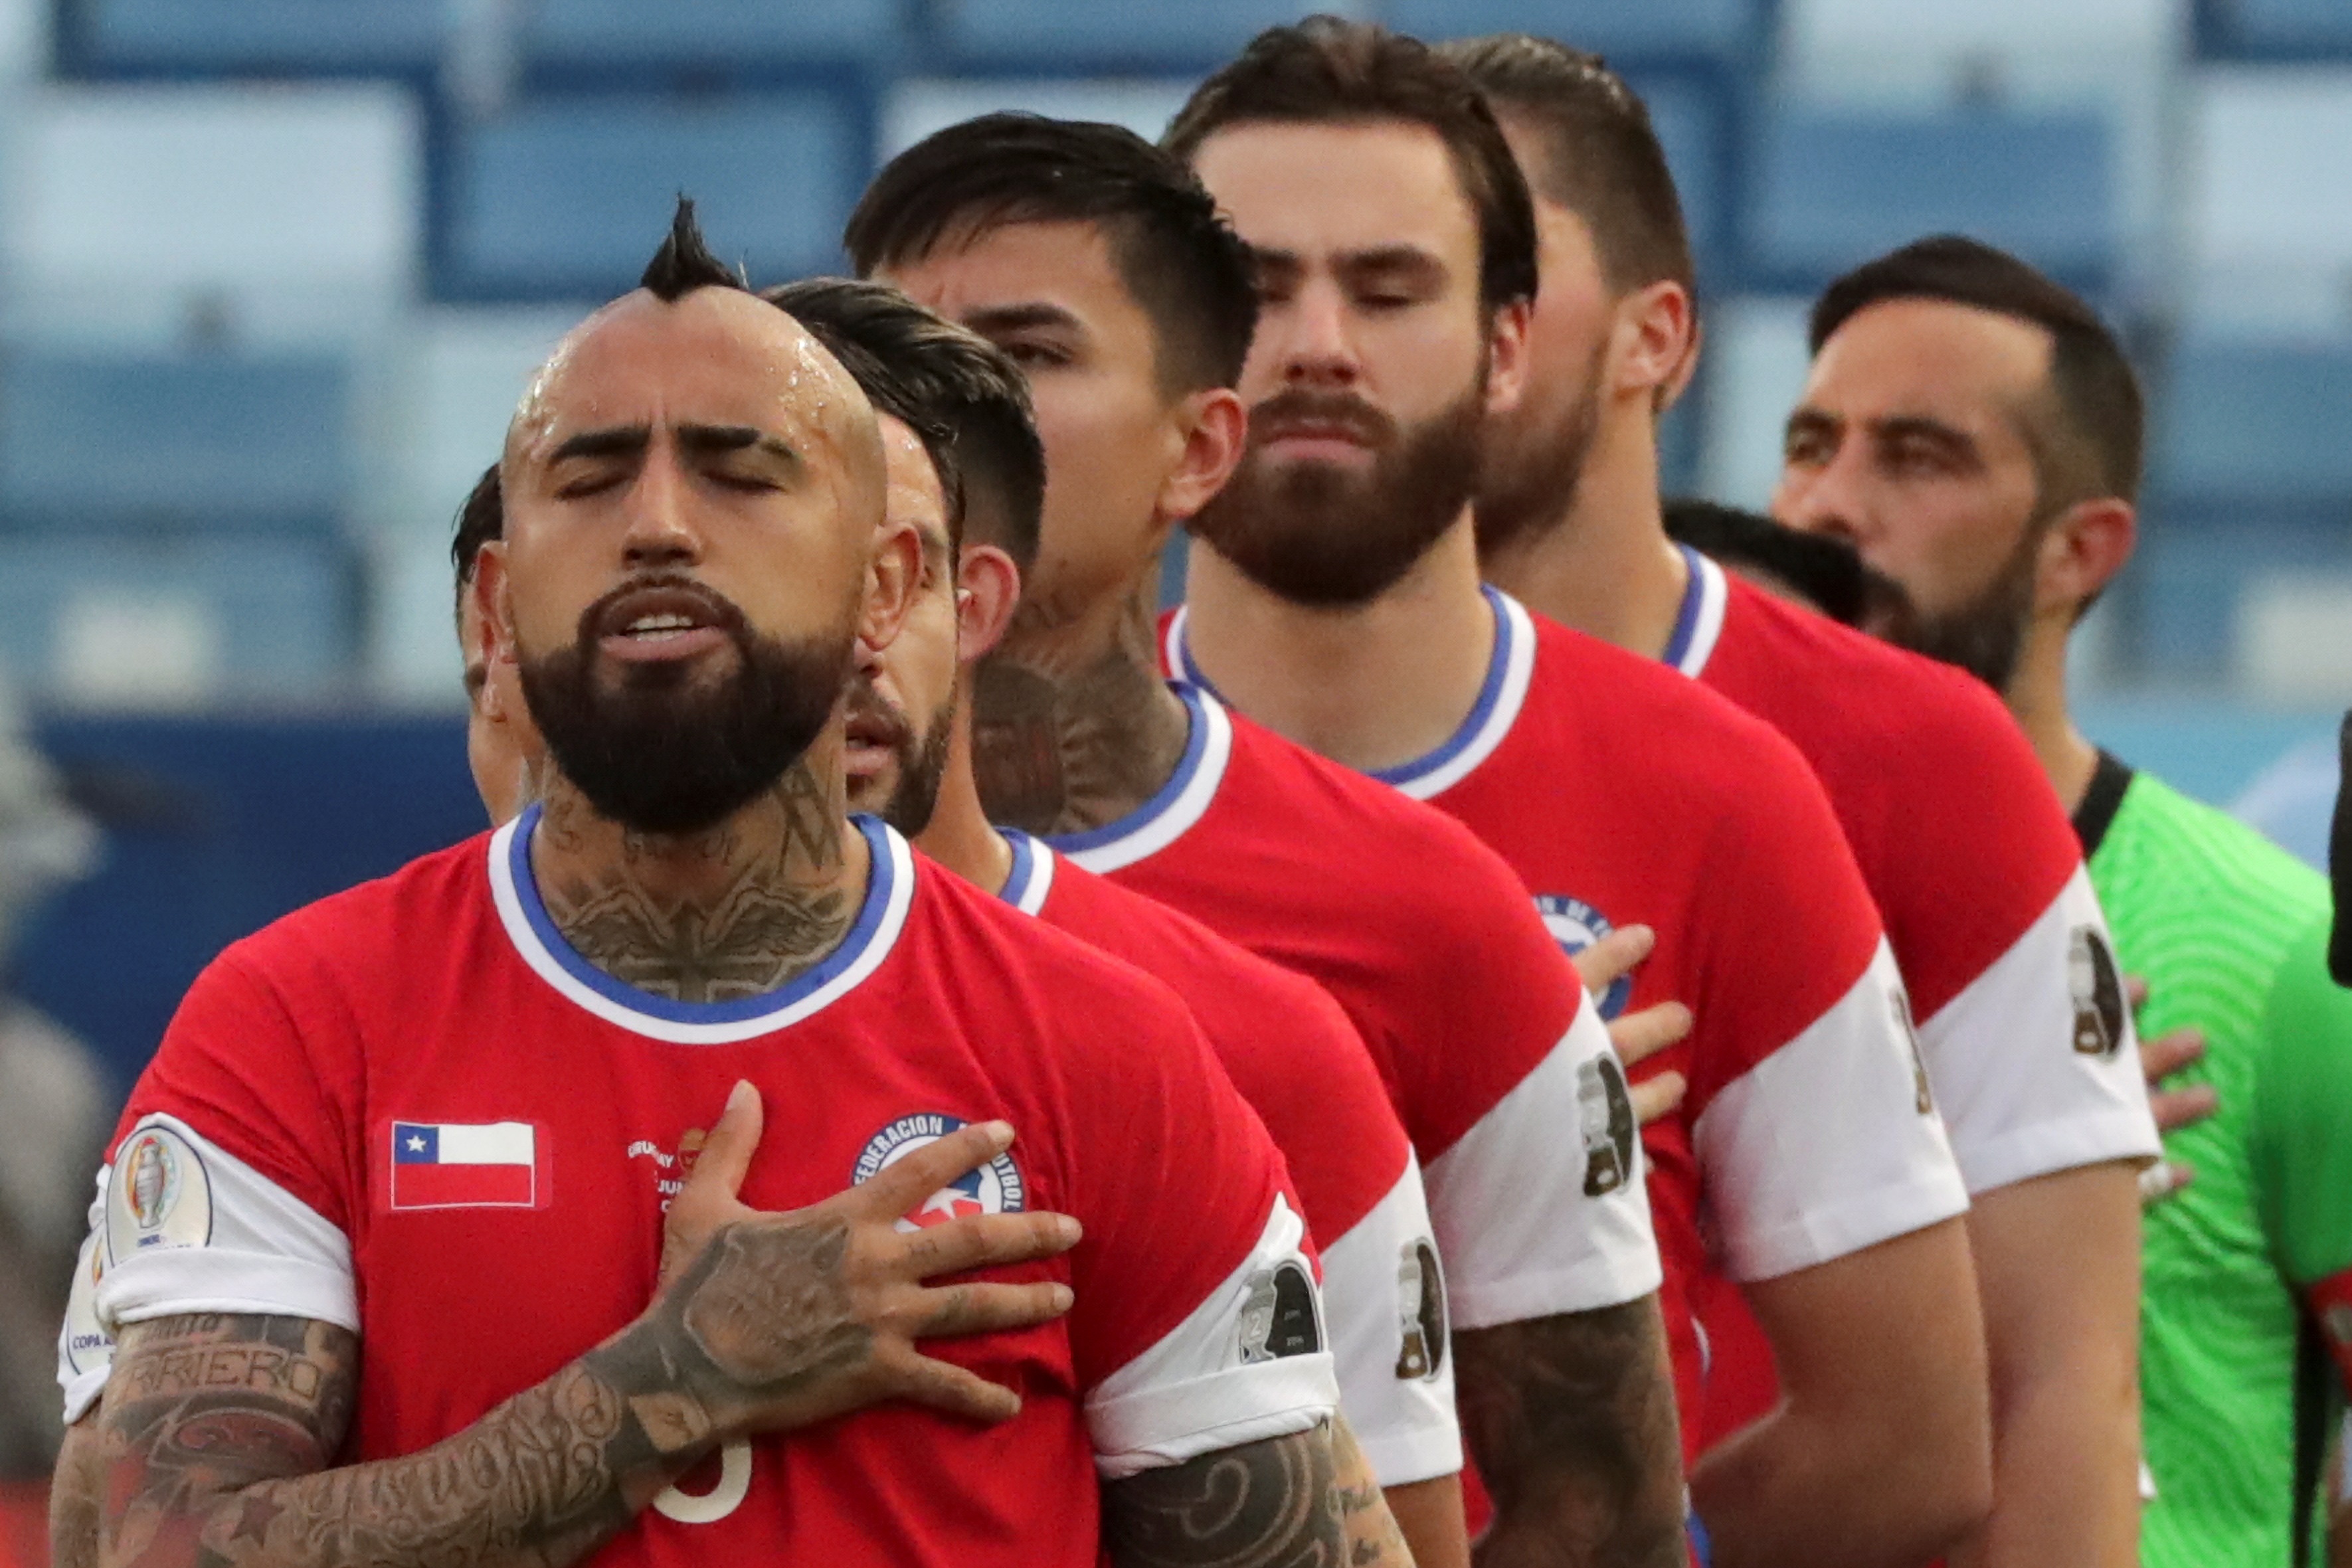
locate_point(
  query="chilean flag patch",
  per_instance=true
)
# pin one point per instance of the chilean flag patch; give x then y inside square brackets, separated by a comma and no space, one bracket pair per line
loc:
[459,1165]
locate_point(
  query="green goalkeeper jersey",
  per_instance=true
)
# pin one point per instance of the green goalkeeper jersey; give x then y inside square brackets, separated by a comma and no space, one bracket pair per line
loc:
[2243,1264]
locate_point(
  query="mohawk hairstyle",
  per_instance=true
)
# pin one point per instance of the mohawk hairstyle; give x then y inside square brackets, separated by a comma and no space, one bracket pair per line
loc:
[482,518]
[1331,71]
[684,262]
[1175,255]
[961,395]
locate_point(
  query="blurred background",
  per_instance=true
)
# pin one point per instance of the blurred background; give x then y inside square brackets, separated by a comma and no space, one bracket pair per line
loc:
[273,273]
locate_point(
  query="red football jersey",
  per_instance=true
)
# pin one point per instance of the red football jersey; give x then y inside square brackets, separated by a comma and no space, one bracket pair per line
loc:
[1297,1060]
[1623,794]
[1976,875]
[414,1106]
[1496,1059]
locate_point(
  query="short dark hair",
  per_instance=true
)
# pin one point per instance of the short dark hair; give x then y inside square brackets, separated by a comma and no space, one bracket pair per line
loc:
[1327,68]
[684,262]
[2096,398]
[1603,160]
[481,518]
[1827,571]
[1178,258]
[954,389]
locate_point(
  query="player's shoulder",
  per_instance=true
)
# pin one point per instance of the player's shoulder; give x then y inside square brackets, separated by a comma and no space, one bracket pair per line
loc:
[2204,856]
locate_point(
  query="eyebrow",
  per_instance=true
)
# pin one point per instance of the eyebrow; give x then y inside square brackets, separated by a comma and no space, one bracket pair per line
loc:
[990,320]
[716,440]
[621,441]
[1919,427]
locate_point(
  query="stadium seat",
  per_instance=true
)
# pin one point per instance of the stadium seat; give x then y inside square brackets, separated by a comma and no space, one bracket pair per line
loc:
[915,108]
[1977,47]
[2268,205]
[161,622]
[2256,429]
[750,36]
[172,445]
[316,37]
[569,197]
[2191,577]
[1693,120]
[1834,186]
[1146,36]
[1628,32]
[132,213]
[2281,28]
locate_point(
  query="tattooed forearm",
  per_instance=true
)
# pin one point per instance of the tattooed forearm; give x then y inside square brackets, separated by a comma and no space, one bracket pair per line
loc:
[1374,1541]
[75,1493]
[1063,743]
[1273,1504]
[1571,1421]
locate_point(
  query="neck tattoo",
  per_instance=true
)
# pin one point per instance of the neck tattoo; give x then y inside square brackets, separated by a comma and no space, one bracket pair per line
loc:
[717,917]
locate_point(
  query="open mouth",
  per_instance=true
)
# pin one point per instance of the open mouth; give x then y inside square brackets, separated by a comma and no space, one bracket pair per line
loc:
[872,738]
[657,622]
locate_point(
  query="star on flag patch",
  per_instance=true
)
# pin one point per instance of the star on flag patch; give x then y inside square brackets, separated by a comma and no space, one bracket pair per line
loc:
[465,1165]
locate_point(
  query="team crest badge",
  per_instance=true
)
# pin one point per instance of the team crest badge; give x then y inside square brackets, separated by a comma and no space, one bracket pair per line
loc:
[160,1194]
[1606,1112]
[2096,986]
[992,1188]
[1421,1313]
[1576,925]
[1279,1315]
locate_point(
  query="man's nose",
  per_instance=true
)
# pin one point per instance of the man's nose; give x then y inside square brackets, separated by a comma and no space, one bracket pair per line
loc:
[661,525]
[1317,349]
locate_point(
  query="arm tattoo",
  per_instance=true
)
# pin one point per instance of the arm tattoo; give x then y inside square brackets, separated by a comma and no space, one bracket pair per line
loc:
[766,925]
[77,1493]
[1571,1421]
[1263,1505]
[1061,745]
[1374,1539]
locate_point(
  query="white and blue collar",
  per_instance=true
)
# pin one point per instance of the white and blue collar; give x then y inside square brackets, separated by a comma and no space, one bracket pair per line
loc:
[1509,669]
[1031,881]
[889,890]
[1700,620]
[1179,804]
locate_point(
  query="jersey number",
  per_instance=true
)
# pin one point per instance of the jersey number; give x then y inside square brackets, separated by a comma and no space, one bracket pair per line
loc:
[711,1507]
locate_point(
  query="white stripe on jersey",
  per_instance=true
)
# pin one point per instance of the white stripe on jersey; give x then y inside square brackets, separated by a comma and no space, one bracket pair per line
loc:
[1403,1419]
[2019,1099]
[1822,1149]
[1521,1238]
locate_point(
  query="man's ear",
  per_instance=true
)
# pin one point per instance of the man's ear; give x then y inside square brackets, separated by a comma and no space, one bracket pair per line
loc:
[988,590]
[493,605]
[2083,552]
[1655,350]
[1214,425]
[1507,355]
[891,584]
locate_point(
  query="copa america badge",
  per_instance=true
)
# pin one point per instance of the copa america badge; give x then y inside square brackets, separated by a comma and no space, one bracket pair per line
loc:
[993,1188]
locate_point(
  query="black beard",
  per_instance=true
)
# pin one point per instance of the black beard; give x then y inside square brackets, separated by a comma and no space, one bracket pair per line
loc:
[1528,479]
[1985,636]
[1317,535]
[915,799]
[659,750]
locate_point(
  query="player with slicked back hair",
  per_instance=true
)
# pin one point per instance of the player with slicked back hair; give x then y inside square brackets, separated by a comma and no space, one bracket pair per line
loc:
[1335,594]
[1964,848]
[1029,232]
[482,1091]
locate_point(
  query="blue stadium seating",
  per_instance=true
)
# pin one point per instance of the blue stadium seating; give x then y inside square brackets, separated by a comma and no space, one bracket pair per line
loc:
[2191,571]
[194,441]
[1725,32]
[1692,122]
[1060,36]
[568,197]
[281,610]
[2280,28]
[751,37]
[322,37]
[2255,428]
[1835,186]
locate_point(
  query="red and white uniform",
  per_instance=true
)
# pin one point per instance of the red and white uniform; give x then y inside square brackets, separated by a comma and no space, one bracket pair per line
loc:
[1496,1059]
[1974,867]
[1623,794]
[1297,1059]
[414,1109]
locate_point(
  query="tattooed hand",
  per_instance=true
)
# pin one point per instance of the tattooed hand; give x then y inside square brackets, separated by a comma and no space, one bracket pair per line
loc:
[1638,1036]
[778,1321]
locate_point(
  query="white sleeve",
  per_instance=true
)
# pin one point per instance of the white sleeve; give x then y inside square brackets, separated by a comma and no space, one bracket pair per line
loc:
[85,1350]
[1830,1144]
[2035,1064]
[190,1227]
[1250,1362]
[1384,1296]
[1541,1207]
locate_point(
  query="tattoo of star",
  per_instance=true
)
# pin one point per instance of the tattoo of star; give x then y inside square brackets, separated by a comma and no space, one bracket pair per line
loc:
[254,1515]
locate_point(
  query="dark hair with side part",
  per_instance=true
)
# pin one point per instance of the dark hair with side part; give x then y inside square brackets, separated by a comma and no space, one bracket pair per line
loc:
[1179,259]
[2101,419]
[1329,70]
[1603,160]
[1828,572]
[684,262]
[956,384]
[482,518]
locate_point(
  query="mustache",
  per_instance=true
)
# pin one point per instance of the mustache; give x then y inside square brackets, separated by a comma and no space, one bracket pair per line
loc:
[1315,408]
